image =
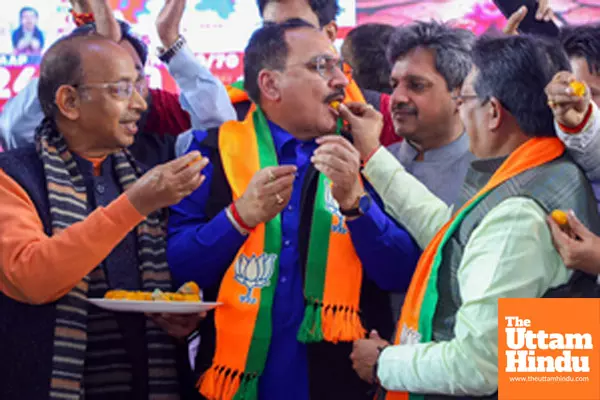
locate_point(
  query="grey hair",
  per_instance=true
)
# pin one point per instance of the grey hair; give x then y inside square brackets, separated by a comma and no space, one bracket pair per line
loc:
[451,46]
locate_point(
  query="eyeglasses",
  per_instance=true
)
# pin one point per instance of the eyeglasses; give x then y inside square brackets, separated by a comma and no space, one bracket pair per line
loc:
[325,66]
[121,89]
[463,98]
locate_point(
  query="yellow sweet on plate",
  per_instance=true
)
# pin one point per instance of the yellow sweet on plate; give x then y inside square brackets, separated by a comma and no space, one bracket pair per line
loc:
[560,217]
[188,292]
[578,88]
[189,288]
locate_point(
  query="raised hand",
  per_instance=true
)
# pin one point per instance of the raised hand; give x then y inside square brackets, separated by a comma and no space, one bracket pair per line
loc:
[167,184]
[568,108]
[340,162]
[168,22]
[267,194]
[81,6]
[365,124]
[544,13]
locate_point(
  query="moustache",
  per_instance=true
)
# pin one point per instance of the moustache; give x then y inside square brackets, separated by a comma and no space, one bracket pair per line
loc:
[404,109]
[336,95]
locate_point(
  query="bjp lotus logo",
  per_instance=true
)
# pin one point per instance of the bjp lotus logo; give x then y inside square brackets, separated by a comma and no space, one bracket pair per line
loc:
[254,272]
[409,335]
[333,207]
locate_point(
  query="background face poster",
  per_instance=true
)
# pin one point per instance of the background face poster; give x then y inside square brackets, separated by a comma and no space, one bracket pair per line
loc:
[217,30]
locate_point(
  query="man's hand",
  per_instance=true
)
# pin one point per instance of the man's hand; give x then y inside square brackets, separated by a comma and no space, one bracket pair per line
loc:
[178,326]
[568,108]
[340,162]
[544,13]
[167,184]
[365,126]
[580,249]
[365,353]
[81,6]
[168,22]
[267,194]
[106,24]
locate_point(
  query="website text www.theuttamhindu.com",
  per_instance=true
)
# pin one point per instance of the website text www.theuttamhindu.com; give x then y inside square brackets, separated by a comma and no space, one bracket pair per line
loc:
[530,378]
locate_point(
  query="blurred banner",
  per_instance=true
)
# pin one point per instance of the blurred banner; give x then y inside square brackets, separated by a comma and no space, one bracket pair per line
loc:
[217,30]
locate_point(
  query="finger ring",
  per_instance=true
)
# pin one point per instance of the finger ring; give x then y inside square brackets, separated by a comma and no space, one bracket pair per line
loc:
[271,176]
[279,198]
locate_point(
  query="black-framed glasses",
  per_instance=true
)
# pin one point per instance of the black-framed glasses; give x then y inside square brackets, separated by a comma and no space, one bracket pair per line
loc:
[121,89]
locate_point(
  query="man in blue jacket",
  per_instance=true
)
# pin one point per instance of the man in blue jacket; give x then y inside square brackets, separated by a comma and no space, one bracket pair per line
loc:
[268,178]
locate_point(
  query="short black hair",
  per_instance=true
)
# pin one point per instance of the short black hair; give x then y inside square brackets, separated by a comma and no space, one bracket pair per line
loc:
[62,65]
[267,49]
[515,70]
[28,8]
[126,34]
[326,10]
[583,41]
[367,46]
[451,47]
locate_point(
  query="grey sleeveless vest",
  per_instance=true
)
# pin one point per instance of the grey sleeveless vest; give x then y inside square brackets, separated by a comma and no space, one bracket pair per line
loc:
[559,184]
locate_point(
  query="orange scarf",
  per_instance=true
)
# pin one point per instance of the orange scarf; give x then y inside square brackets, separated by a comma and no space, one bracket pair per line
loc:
[332,282]
[416,320]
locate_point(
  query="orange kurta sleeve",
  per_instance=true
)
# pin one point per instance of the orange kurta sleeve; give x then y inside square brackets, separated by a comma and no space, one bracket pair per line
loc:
[38,269]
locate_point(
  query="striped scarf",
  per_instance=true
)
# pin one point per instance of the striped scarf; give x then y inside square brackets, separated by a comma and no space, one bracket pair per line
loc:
[68,205]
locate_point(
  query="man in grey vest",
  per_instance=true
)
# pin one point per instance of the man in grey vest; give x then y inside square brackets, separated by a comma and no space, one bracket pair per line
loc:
[494,243]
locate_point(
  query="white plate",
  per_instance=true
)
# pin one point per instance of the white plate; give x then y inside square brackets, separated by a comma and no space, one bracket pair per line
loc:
[173,307]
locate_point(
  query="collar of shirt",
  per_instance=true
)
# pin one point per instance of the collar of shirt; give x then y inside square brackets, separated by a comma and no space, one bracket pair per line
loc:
[488,165]
[282,138]
[407,153]
[90,167]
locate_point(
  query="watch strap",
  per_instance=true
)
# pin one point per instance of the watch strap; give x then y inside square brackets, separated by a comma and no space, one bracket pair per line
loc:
[355,211]
[166,55]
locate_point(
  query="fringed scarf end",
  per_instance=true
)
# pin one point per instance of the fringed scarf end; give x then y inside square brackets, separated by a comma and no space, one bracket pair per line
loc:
[342,324]
[311,330]
[222,383]
[330,323]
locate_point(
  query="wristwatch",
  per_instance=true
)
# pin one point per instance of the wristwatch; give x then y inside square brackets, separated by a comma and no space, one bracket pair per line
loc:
[362,205]
[165,55]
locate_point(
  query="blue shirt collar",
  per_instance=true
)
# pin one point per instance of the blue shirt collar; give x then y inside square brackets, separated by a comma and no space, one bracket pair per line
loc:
[281,137]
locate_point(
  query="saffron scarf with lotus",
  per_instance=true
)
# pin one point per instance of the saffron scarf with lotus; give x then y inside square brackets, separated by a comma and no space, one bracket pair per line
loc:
[416,319]
[332,282]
